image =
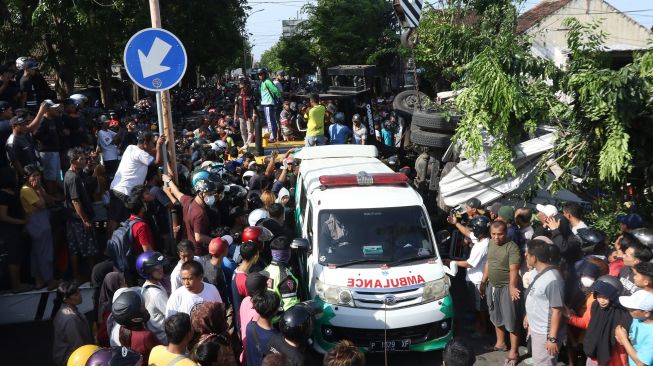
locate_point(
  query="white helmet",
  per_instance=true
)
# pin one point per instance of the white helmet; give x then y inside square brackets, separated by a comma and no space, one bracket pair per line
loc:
[79,98]
[20,62]
[247,176]
[256,216]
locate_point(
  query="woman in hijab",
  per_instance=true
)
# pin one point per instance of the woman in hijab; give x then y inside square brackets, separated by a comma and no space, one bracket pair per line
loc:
[600,320]
[209,324]
[113,281]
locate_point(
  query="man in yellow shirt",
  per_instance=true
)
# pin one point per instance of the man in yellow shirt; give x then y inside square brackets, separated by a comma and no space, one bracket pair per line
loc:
[315,125]
[180,333]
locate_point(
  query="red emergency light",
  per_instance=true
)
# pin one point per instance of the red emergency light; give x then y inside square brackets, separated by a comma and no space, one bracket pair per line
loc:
[362,179]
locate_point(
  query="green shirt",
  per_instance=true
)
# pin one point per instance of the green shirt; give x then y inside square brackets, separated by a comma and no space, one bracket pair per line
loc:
[315,124]
[499,259]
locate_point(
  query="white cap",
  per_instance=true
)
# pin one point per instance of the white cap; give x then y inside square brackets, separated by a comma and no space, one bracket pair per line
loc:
[257,215]
[548,210]
[251,164]
[640,300]
[229,239]
[51,104]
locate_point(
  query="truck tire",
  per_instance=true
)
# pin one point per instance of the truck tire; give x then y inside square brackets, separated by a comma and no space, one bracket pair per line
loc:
[429,139]
[435,121]
[406,102]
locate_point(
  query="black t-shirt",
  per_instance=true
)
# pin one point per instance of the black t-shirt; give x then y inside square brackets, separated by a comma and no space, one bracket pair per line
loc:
[77,131]
[48,135]
[14,208]
[27,86]
[128,139]
[21,149]
[295,355]
[74,189]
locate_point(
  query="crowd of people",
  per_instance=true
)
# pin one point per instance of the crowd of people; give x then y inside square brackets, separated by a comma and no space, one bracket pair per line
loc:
[195,266]
[555,284]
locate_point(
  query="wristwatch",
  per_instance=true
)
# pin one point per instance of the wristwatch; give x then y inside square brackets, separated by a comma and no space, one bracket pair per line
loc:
[552,339]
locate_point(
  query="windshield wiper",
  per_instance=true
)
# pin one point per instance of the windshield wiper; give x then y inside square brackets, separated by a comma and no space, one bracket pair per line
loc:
[410,259]
[358,261]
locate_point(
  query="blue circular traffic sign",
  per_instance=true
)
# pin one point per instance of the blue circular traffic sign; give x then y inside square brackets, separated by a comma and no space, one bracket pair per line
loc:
[155,59]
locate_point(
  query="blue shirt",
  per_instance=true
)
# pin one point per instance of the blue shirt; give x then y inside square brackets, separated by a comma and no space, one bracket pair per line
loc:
[387,137]
[257,350]
[641,337]
[339,133]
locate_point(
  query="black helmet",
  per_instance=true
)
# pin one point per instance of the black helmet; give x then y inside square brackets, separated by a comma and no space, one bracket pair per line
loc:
[644,235]
[115,356]
[590,239]
[609,286]
[480,226]
[296,323]
[129,310]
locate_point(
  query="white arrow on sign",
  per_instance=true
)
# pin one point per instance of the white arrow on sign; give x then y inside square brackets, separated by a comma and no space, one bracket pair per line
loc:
[151,64]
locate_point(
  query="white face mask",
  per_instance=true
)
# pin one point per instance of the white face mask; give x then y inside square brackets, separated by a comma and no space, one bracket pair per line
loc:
[587,281]
[210,200]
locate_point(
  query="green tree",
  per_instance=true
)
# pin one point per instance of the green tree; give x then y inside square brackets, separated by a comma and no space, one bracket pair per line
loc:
[351,32]
[270,58]
[296,55]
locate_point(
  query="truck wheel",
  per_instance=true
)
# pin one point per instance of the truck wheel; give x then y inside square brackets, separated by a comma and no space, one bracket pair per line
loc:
[429,139]
[406,102]
[437,121]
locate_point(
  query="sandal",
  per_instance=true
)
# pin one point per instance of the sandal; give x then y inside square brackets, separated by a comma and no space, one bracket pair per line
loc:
[510,362]
[496,349]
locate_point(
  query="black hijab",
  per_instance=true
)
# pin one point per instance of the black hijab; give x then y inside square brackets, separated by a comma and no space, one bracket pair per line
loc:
[599,337]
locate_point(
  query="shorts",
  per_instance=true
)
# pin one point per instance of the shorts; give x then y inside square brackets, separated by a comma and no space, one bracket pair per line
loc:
[51,162]
[315,140]
[503,311]
[539,352]
[474,293]
[81,242]
[118,211]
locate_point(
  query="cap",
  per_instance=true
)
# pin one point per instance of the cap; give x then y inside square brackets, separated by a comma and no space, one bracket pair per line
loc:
[473,203]
[17,120]
[218,245]
[548,210]
[640,300]
[281,73]
[114,123]
[356,117]
[31,64]
[506,213]
[633,220]
[50,103]
[544,239]
[494,208]
[340,117]
[4,106]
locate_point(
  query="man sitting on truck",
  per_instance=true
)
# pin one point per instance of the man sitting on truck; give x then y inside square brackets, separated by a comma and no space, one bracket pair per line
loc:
[282,281]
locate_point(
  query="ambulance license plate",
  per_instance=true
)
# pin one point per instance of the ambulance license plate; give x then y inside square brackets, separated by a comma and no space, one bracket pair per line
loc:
[390,346]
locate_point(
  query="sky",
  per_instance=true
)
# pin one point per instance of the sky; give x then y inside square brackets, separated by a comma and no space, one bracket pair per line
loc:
[264,23]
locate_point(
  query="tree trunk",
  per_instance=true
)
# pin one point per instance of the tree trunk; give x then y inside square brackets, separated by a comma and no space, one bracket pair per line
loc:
[104,76]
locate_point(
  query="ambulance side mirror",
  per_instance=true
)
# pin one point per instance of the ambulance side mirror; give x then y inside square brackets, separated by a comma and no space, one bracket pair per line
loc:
[299,243]
[452,270]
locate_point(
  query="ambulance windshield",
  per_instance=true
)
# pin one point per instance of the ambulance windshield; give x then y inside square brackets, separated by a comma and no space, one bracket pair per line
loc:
[391,234]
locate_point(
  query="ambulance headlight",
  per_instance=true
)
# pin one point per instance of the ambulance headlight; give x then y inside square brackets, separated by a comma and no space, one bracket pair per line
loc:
[335,295]
[435,290]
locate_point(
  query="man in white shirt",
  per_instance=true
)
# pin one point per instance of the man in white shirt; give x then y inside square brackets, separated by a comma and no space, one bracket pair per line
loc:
[278,80]
[186,251]
[131,173]
[574,213]
[194,291]
[479,228]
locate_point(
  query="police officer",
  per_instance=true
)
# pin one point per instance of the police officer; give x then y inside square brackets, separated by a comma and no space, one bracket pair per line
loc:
[282,281]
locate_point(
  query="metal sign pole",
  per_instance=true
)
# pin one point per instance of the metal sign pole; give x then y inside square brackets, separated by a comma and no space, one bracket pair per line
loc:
[159,111]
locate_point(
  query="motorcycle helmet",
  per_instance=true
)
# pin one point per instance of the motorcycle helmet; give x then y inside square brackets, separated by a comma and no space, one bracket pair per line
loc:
[256,234]
[20,62]
[218,246]
[480,226]
[256,216]
[128,309]
[644,235]
[247,176]
[146,262]
[590,239]
[115,356]
[79,98]
[204,185]
[202,174]
[609,286]
[82,354]
[296,324]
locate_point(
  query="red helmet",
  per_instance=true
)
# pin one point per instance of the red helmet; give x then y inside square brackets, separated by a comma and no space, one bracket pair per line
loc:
[218,246]
[256,234]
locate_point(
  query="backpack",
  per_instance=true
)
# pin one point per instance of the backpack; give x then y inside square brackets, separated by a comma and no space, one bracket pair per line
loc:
[119,246]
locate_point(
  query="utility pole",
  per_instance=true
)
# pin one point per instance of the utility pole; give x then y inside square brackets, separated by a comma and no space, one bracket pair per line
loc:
[163,102]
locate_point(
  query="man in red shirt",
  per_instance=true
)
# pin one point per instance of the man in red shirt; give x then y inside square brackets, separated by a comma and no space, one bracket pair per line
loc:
[141,231]
[196,218]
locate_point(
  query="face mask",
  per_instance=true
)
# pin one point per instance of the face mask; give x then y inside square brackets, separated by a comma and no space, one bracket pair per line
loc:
[587,281]
[210,200]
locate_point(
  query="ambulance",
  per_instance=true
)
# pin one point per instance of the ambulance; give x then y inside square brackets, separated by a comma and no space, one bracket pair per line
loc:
[370,258]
